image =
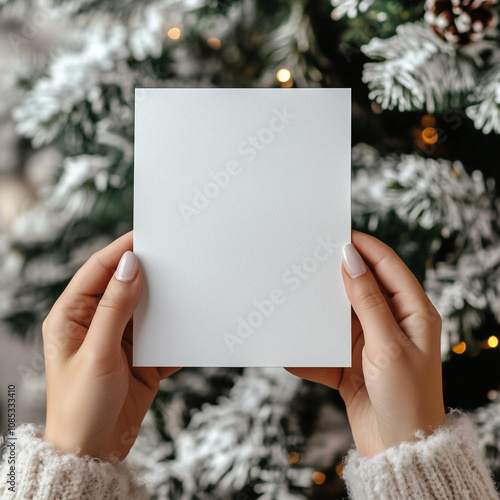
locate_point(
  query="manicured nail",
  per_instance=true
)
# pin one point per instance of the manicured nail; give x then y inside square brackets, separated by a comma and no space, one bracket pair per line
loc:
[127,267]
[353,262]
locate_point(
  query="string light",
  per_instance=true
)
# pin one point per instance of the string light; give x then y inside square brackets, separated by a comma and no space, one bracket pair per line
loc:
[492,395]
[339,468]
[493,342]
[428,121]
[214,43]
[430,135]
[174,33]
[376,107]
[293,457]
[318,478]
[459,348]
[283,75]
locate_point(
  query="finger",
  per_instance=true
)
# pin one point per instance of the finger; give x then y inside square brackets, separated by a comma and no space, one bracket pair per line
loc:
[412,309]
[66,325]
[390,271]
[165,372]
[151,376]
[326,376]
[115,307]
[93,277]
[379,326]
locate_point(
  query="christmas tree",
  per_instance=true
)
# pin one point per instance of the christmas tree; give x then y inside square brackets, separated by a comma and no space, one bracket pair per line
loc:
[425,79]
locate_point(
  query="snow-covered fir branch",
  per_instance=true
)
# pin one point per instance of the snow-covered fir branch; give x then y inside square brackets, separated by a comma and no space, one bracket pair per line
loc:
[418,70]
[464,292]
[485,108]
[439,194]
[286,46]
[424,192]
[227,446]
[349,8]
[71,92]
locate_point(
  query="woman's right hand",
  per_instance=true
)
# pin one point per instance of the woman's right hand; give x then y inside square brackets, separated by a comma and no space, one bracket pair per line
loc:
[394,386]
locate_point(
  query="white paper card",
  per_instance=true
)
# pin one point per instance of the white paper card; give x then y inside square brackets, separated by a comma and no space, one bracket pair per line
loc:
[241,210]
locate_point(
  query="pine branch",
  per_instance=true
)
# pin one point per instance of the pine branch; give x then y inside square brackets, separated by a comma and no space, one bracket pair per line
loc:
[464,292]
[103,61]
[439,196]
[418,70]
[349,8]
[487,422]
[227,447]
[425,193]
[288,46]
[485,108]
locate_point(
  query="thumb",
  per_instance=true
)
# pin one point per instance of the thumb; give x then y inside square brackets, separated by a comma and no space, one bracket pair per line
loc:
[368,302]
[116,306]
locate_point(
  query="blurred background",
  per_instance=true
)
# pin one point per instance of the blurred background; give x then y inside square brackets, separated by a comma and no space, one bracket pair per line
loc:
[425,79]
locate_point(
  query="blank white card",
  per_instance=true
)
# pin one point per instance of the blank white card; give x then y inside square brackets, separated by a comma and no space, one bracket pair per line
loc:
[241,210]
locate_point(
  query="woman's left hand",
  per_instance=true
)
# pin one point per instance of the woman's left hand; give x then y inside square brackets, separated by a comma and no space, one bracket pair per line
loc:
[96,399]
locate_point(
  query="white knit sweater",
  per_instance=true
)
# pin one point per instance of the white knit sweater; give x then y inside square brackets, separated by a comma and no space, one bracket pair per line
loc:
[43,473]
[446,465]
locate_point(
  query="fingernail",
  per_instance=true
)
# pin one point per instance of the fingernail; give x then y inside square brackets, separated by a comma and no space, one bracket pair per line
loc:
[127,267]
[353,263]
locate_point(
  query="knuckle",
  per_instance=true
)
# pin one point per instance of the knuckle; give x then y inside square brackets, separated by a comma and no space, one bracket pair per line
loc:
[95,258]
[96,261]
[48,326]
[371,299]
[104,360]
[431,315]
[437,318]
[45,327]
[113,301]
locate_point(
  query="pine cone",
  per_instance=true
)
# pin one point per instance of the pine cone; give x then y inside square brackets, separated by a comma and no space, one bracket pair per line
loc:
[461,21]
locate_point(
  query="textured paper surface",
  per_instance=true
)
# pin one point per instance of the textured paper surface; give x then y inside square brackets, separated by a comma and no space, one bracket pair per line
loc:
[241,210]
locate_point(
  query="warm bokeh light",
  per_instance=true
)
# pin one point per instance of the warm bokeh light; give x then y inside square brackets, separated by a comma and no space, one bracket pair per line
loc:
[339,468]
[428,121]
[459,348]
[376,107]
[283,75]
[493,342]
[492,395]
[293,457]
[318,478]
[430,135]
[174,33]
[214,43]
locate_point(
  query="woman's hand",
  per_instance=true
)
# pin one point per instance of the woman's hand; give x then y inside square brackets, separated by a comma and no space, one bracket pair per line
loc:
[96,399]
[394,387]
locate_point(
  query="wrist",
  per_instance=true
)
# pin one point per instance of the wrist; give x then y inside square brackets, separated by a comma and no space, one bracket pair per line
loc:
[70,442]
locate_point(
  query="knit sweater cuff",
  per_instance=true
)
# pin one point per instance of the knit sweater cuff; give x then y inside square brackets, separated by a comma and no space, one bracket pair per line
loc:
[43,473]
[446,465]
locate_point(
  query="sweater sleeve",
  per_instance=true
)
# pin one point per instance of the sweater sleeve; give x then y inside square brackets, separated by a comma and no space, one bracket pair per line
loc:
[446,465]
[40,472]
